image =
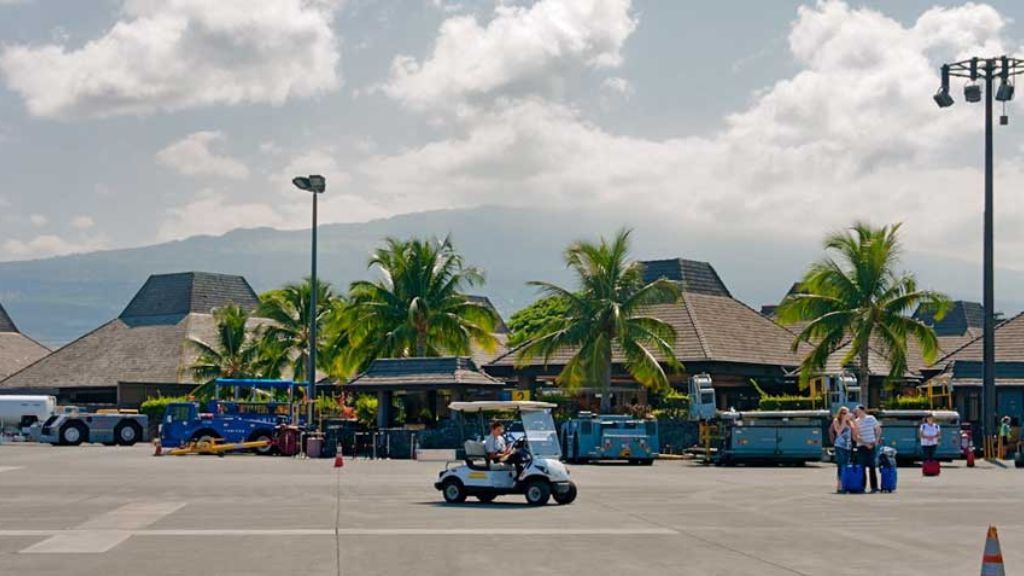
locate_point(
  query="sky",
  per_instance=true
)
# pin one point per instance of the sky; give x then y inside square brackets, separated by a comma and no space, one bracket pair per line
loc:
[132,122]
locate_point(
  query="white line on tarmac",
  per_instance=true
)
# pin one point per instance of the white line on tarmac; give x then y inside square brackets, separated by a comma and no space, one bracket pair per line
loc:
[103,532]
[88,534]
[10,468]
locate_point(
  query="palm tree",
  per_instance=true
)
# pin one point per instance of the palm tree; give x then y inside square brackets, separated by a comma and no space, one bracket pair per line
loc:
[416,307]
[858,296]
[234,354]
[607,311]
[287,337]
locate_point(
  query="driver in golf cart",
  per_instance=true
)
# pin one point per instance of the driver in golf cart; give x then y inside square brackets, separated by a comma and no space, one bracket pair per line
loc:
[499,451]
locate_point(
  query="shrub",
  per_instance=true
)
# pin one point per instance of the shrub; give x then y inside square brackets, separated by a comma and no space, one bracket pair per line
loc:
[155,407]
[672,406]
[785,402]
[366,410]
[907,403]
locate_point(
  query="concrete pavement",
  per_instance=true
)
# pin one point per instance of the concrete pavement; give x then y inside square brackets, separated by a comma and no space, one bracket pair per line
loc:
[109,511]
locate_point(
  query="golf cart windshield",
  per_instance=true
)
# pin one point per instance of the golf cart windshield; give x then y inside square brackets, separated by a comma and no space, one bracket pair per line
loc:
[540,433]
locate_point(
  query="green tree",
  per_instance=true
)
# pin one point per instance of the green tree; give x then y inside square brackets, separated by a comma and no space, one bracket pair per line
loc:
[607,310]
[286,339]
[416,307]
[529,322]
[855,294]
[235,352]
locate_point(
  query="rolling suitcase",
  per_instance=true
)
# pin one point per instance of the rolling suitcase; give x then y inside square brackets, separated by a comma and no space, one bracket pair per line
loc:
[889,476]
[852,479]
[931,468]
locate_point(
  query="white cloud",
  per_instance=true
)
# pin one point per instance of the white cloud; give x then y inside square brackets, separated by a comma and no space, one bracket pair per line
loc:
[853,134]
[38,220]
[177,54]
[48,245]
[518,45]
[618,85]
[212,212]
[192,156]
[82,222]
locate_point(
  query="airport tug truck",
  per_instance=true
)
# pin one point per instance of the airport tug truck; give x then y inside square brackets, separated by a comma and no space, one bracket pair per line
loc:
[604,437]
[72,426]
[532,435]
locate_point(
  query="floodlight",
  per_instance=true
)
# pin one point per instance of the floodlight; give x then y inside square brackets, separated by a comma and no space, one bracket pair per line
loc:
[1005,92]
[943,99]
[972,93]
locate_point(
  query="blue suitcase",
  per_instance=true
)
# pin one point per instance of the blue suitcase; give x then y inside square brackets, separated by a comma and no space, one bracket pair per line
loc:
[852,480]
[888,478]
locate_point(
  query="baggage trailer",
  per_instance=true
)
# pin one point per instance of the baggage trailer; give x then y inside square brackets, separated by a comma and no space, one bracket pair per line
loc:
[592,437]
[231,422]
[74,426]
[899,430]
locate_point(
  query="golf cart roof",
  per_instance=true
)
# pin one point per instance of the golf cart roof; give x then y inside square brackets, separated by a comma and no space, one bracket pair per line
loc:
[500,406]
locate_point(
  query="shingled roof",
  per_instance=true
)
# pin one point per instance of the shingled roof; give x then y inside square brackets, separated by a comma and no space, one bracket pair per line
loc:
[692,275]
[963,319]
[422,374]
[1009,345]
[16,349]
[148,342]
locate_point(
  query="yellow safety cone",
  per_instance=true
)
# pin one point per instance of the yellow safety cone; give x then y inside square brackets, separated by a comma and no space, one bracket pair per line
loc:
[992,559]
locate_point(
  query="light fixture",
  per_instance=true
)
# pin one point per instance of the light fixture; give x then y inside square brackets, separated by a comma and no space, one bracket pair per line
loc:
[972,93]
[1005,92]
[314,183]
[943,99]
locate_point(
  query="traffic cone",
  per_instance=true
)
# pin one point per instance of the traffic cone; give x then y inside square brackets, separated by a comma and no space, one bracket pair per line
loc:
[992,559]
[339,460]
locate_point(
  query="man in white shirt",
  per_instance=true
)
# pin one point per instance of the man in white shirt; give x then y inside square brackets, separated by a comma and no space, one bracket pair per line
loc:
[495,446]
[929,433]
[868,434]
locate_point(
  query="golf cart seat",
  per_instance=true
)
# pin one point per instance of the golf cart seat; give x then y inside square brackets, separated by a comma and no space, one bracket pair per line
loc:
[476,457]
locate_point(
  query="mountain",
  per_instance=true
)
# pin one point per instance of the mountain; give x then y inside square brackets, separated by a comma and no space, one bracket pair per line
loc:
[58,299]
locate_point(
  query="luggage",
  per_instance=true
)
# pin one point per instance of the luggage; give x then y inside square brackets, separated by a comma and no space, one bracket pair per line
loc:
[931,468]
[852,479]
[888,478]
[887,457]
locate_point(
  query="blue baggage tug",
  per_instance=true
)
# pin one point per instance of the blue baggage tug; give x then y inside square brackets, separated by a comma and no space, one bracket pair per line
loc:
[593,437]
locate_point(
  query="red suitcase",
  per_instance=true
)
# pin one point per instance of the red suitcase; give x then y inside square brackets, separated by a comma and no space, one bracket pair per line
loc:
[931,468]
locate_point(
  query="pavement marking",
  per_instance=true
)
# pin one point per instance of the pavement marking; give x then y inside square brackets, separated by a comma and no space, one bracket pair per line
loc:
[70,536]
[10,468]
[105,531]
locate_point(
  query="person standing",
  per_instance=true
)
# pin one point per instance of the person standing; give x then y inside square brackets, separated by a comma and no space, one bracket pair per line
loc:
[1004,436]
[867,433]
[929,434]
[841,434]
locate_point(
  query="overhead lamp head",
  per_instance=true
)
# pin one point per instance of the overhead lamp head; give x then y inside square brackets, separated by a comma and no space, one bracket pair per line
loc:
[972,93]
[943,99]
[1005,92]
[314,183]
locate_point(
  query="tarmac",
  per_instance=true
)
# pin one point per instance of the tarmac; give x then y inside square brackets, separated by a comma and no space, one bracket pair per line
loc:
[95,510]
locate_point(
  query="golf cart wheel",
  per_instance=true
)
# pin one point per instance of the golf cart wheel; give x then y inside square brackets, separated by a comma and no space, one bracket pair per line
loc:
[566,497]
[486,498]
[453,491]
[538,492]
[72,434]
[127,433]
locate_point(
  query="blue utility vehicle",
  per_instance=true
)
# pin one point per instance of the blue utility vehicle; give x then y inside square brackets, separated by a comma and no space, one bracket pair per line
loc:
[233,420]
[593,437]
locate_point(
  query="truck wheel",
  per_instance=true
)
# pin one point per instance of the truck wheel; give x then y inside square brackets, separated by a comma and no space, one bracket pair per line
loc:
[454,492]
[73,433]
[268,450]
[127,433]
[204,437]
[566,497]
[538,492]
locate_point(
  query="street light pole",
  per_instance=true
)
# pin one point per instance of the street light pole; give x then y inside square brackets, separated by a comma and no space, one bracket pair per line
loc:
[317,185]
[1005,69]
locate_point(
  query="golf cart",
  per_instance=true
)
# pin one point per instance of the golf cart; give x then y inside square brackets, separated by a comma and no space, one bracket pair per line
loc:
[532,434]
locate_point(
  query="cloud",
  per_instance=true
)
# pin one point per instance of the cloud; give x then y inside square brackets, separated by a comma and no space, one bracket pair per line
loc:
[192,156]
[49,245]
[518,45]
[178,54]
[82,222]
[852,134]
[38,220]
[212,212]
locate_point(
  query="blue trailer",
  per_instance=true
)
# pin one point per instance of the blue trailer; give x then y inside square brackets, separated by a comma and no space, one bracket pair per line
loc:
[899,430]
[592,437]
[233,420]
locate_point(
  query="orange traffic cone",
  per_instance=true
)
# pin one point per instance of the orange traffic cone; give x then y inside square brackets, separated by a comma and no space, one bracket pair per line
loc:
[992,559]
[339,460]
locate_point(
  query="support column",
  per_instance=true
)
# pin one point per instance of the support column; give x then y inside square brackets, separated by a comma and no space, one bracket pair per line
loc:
[384,409]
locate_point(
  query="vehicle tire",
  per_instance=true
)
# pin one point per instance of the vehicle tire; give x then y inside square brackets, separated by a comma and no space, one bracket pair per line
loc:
[454,492]
[73,434]
[538,492]
[486,498]
[204,436]
[127,433]
[566,497]
[260,436]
